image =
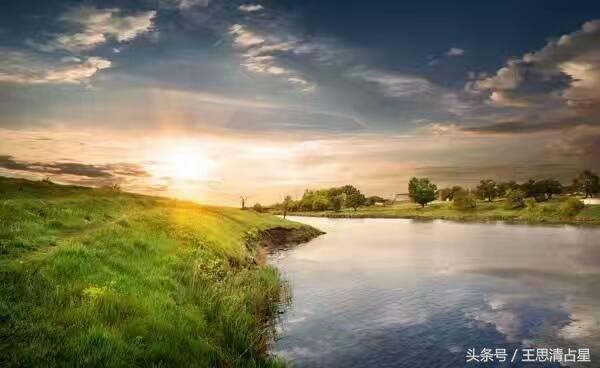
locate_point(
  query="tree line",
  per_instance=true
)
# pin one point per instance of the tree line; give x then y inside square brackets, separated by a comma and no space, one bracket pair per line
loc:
[423,191]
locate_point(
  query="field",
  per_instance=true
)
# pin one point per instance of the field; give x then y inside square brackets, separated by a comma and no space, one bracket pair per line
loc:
[100,278]
[542,212]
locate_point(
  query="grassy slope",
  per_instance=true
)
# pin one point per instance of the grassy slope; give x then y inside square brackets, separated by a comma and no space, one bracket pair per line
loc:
[544,212]
[92,277]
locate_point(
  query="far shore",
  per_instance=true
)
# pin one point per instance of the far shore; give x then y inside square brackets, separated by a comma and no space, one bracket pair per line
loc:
[542,213]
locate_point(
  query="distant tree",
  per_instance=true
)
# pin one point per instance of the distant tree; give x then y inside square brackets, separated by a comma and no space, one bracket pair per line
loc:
[515,199]
[244,199]
[529,188]
[421,190]
[547,187]
[355,200]
[286,205]
[587,183]
[349,190]
[504,188]
[337,202]
[258,207]
[487,190]
[320,204]
[447,194]
[464,200]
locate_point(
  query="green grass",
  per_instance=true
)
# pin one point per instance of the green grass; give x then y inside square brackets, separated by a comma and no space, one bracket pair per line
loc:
[98,278]
[543,212]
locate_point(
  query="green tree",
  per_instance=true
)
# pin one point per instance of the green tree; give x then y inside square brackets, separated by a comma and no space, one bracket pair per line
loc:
[286,205]
[421,190]
[547,187]
[529,188]
[464,200]
[320,204]
[587,183]
[487,189]
[447,194]
[504,188]
[515,199]
[337,202]
[258,207]
[355,200]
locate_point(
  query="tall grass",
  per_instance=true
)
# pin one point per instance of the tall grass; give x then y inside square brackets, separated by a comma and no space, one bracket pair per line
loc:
[98,278]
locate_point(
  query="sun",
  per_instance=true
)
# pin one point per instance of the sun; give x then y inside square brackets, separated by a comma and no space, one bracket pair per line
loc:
[186,162]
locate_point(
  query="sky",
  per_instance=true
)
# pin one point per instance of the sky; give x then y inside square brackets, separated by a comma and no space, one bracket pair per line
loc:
[210,100]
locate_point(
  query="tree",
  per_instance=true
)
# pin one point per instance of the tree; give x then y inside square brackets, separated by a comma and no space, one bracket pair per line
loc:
[515,199]
[286,205]
[421,190]
[244,199]
[355,200]
[320,204]
[258,207]
[487,190]
[464,200]
[504,188]
[529,188]
[337,202]
[349,190]
[587,183]
[447,194]
[547,187]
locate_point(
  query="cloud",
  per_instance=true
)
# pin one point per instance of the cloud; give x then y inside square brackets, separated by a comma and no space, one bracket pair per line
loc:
[455,51]
[261,55]
[250,8]
[95,27]
[187,4]
[20,67]
[392,84]
[554,88]
[73,168]
[566,70]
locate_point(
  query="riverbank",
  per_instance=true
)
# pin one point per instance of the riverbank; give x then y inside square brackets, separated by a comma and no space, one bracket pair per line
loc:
[96,277]
[544,212]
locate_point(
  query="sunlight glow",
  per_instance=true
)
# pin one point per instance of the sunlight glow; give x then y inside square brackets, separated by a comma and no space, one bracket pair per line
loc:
[183,162]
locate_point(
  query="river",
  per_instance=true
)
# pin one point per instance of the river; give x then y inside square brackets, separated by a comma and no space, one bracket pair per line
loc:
[406,293]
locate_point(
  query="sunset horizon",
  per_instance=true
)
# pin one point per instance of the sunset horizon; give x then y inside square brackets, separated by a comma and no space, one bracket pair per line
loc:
[267,100]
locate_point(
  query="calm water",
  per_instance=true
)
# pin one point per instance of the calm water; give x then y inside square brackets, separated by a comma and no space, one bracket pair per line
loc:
[403,293]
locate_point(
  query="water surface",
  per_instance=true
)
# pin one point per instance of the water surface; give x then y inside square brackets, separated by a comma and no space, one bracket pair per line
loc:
[405,293]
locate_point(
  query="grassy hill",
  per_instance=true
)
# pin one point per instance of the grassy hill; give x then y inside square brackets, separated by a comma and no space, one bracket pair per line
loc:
[542,212]
[100,278]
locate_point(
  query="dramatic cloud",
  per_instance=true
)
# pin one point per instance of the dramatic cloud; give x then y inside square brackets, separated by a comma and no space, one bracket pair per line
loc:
[455,51]
[73,168]
[251,8]
[95,26]
[556,87]
[27,68]
[567,69]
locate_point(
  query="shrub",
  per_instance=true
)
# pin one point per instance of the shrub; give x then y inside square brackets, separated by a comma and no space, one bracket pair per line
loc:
[571,207]
[515,199]
[464,200]
[530,203]
[258,207]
